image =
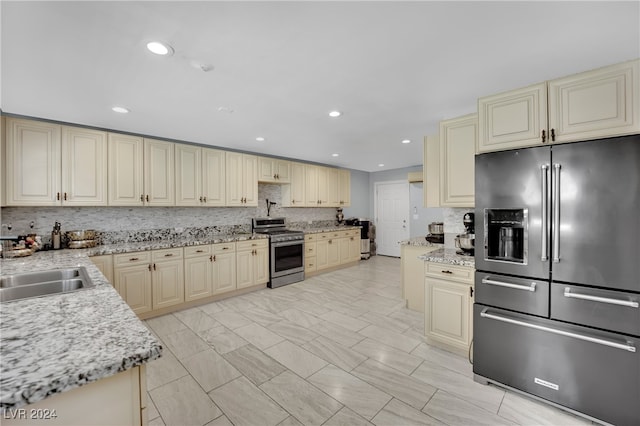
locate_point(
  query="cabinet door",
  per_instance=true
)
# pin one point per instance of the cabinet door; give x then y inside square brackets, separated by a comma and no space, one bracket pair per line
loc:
[125,170]
[250,179]
[234,185]
[448,304]
[198,278]
[33,163]
[261,265]
[333,252]
[105,264]
[431,171]
[84,167]
[512,119]
[188,175]
[354,247]
[244,268]
[159,166]
[595,104]
[213,177]
[322,254]
[323,186]
[293,195]
[168,283]
[344,188]
[457,160]
[333,187]
[311,186]
[224,273]
[345,253]
[283,171]
[266,169]
[134,285]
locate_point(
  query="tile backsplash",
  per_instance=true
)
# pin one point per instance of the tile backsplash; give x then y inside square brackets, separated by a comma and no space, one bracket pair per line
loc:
[121,223]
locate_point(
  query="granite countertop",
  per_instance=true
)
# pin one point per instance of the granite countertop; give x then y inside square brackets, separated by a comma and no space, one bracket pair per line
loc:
[418,242]
[329,229]
[450,257]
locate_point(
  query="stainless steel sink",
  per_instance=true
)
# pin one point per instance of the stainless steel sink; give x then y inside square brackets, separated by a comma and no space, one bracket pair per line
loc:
[34,284]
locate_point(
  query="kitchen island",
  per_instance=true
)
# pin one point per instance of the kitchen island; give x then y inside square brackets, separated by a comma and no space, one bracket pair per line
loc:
[412,270]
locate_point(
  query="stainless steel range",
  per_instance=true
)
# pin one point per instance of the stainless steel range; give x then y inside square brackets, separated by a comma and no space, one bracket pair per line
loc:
[286,251]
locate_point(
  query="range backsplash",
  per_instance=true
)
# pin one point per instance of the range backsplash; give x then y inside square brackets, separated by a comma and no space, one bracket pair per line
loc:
[132,224]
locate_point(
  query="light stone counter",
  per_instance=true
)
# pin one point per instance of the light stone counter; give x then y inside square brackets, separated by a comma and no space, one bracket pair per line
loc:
[450,257]
[418,242]
[327,229]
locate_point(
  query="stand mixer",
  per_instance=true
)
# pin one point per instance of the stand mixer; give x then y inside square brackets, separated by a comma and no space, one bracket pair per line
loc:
[465,242]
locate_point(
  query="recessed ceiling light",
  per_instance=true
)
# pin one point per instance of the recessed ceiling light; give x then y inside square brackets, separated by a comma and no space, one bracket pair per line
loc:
[335,155]
[380,165]
[159,48]
[406,141]
[335,114]
[121,110]
[260,139]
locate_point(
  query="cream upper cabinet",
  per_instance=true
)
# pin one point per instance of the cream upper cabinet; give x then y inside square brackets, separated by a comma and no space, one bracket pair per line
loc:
[333,187]
[457,161]
[323,186]
[344,188]
[200,176]
[513,119]
[431,171]
[53,165]
[311,185]
[600,103]
[293,195]
[159,166]
[126,170]
[242,179]
[594,104]
[273,170]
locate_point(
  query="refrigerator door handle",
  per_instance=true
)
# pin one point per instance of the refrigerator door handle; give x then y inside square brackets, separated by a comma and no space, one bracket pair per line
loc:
[629,303]
[531,287]
[556,214]
[545,214]
[627,347]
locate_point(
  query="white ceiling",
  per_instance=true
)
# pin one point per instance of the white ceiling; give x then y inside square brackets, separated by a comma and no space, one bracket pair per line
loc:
[394,68]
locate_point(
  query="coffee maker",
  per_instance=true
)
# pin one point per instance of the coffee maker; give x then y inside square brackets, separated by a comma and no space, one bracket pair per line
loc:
[465,242]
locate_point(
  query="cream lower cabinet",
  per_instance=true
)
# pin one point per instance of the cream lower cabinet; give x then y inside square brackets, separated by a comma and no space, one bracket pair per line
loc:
[132,279]
[448,306]
[105,264]
[330,250]
[224,268]
[209,270]
[457,161]
[310,249]
[595,104]
[120,399]
[412,272]
[252,263]
[167,277]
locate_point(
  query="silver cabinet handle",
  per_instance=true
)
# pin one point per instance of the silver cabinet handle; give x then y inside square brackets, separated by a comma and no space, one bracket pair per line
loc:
[629,303]
[556,215]
[545,219]
[627,347]
[531,287]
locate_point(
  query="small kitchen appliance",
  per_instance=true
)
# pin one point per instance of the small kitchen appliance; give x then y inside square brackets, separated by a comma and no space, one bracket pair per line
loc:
[339,216]
[436,233]
[466,242]
[366,234]
[286,250]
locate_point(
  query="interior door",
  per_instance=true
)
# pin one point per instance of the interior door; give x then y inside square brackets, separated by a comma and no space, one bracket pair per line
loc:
[392,216]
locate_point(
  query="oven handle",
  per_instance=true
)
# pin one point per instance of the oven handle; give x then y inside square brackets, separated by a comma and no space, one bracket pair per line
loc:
[287,243]
[627,347]
[628,303]
[531,287]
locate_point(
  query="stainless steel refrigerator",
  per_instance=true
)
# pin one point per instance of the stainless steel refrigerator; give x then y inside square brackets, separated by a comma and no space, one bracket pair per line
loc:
[556,312]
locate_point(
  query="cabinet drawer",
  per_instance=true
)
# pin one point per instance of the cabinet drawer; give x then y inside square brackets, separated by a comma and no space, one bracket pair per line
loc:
[131,259]
[451,272]
[195,251]
[524,295]
[166,254]
[310,264]
[310,237]
[323,236]
[612,310]
[251,244]
[310,249]
[224,248]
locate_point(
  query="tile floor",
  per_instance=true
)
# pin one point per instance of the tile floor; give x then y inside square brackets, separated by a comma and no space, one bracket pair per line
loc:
[336,349]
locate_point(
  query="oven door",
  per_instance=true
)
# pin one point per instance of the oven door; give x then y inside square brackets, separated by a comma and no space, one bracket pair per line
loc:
[287,257]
